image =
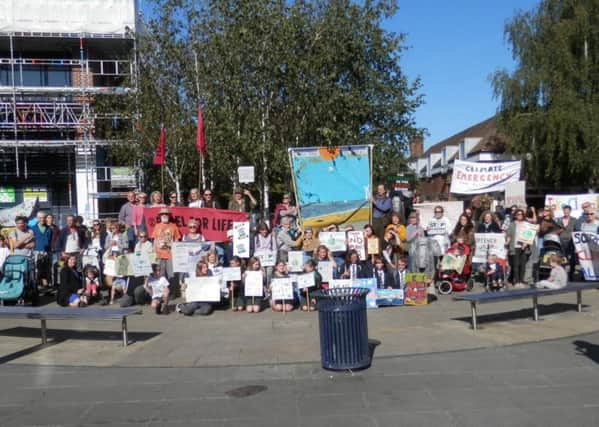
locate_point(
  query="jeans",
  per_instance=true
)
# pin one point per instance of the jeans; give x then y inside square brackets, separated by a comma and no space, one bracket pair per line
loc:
[201,308]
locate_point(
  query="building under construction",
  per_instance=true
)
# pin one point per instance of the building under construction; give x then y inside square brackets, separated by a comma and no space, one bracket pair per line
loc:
[56,58]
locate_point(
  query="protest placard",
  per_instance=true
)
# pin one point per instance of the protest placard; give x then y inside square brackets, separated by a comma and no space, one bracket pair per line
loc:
[369,284]
[140,264]
[325,268]
[586,246]
[333,240]
[241,239]
[374,246]
[575,201]
[295,261]
[245,174]
[389,297]
[488,244]
[515,194]
[526,232]
[116,266]
[479,177]
[185,256]
[355,241]
[267,258]
[281,289]
[305,281]
[202,289]
[451,262]
[231,274]
[415,291]
[254,284]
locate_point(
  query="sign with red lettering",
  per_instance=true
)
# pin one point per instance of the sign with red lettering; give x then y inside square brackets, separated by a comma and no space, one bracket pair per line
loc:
[415,292]
[482,177]
[213,223]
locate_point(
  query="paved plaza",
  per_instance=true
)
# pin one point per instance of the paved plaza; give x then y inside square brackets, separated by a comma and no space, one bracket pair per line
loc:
[230,369]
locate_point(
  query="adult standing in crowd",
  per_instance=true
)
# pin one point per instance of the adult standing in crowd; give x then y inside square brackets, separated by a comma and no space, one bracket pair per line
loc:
[164,234]
[464,231]
[381,208]
[21,240]
[42,249]
[439,227]
[285,240]
[587,208]
[172,199]
[238,202]
[126,216]
[517,252]
[54,251]
[567,223]
[488,223]
[138,222]
[395,236]
[209,200]
[195,201]
[71,240]
[285,210]
[590,223]
[156,200]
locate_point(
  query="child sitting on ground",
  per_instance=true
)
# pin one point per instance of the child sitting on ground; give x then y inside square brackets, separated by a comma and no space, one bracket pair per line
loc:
[157,287]
[558,278]
[92,281]
[494,272]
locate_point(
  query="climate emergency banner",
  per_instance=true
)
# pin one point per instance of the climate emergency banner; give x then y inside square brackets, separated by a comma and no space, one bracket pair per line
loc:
[214,223]
[478,177]
[587,251]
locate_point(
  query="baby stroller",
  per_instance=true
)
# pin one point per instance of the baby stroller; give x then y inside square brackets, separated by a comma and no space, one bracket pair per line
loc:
[551,246]
[17,282]
[454,271]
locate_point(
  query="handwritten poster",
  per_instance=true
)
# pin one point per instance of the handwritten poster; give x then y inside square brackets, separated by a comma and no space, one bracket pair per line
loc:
[281,289]
[241,239]
[253,286]
[295,261]
[355,241]
[333,240]
[203,289]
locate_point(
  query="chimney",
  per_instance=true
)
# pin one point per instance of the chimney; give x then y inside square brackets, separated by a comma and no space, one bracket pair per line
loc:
[416,147]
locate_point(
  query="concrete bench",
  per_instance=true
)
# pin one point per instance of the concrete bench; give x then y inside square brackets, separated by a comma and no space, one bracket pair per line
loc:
[533,293]
[67,313]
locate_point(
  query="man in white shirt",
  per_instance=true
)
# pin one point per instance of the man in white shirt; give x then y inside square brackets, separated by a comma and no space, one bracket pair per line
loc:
[439,228]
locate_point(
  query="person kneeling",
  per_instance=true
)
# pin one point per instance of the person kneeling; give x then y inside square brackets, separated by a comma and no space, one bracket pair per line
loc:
[157,287]
[201,308]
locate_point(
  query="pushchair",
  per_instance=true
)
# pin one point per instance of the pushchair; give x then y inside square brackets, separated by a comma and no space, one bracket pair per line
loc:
[551,246]
[17,282]
[453,274]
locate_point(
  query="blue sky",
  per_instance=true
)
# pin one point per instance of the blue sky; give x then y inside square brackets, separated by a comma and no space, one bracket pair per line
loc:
[454,46]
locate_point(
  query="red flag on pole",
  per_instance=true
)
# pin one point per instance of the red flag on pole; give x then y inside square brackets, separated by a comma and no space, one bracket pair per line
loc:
[160,150]
[200,140]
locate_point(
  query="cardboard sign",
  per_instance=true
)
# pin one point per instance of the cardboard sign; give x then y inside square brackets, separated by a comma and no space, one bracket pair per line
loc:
[245,174]
[374,247]
[140,263]
[333,240]
[202,289]
[295,261]
[355,241]
[213,223]
[389,297]
[556,201]
[185,256]
[116,266]
[325,268]
[515,194]
[267,258]
[231,274]
[340,283]
[305,281]
[241,239]
[488,244]
[451,211]
[526,233]
[415,291]
[451,262]
[254,284]
[586,246]
[281,289]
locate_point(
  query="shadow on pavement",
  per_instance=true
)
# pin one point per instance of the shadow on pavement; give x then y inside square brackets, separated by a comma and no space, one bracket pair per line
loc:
[64,334]
[27,351]
[525,313]
[587,349]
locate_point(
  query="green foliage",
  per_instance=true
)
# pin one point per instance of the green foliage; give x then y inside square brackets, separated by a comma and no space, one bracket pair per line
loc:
[550,102]
[270,75]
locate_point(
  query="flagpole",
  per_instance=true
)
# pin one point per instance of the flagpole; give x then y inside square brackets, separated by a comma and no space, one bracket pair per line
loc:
[201,177]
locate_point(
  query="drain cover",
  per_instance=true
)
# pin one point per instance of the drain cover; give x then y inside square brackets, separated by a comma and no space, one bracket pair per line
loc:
[245,391]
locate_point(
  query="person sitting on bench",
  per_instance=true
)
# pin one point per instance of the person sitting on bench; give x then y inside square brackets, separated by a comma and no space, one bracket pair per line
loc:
[558,278]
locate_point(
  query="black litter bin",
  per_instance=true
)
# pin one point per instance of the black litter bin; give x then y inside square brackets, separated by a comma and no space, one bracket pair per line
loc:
[343,328]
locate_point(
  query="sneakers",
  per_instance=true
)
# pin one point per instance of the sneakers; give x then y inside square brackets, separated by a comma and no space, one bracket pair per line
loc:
[178,308]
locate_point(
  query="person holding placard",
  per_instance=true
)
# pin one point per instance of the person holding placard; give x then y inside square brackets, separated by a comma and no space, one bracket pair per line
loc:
[463,231]
[309,243]
[156,286]
[235,287]
[352,268]
[395,236]
[324,258]
[198,307]
[238,202]
[280,272]
[439,228]
[517,251]
[265,248]
[372,241]
[307,303]
[253,303]
[285,239]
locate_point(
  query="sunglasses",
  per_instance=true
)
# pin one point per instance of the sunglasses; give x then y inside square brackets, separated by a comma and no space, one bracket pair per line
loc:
[438,211]
[192,226]
[207,194]
[142,236]
[589,214]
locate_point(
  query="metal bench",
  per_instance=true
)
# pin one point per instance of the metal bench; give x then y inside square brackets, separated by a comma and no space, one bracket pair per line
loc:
[63,313]
[533,293]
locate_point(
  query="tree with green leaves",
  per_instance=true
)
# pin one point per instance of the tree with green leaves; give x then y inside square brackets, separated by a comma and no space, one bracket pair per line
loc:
[270,76]
[550,102]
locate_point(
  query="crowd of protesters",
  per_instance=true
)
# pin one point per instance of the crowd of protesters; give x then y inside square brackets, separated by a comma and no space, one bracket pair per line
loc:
[61,256]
